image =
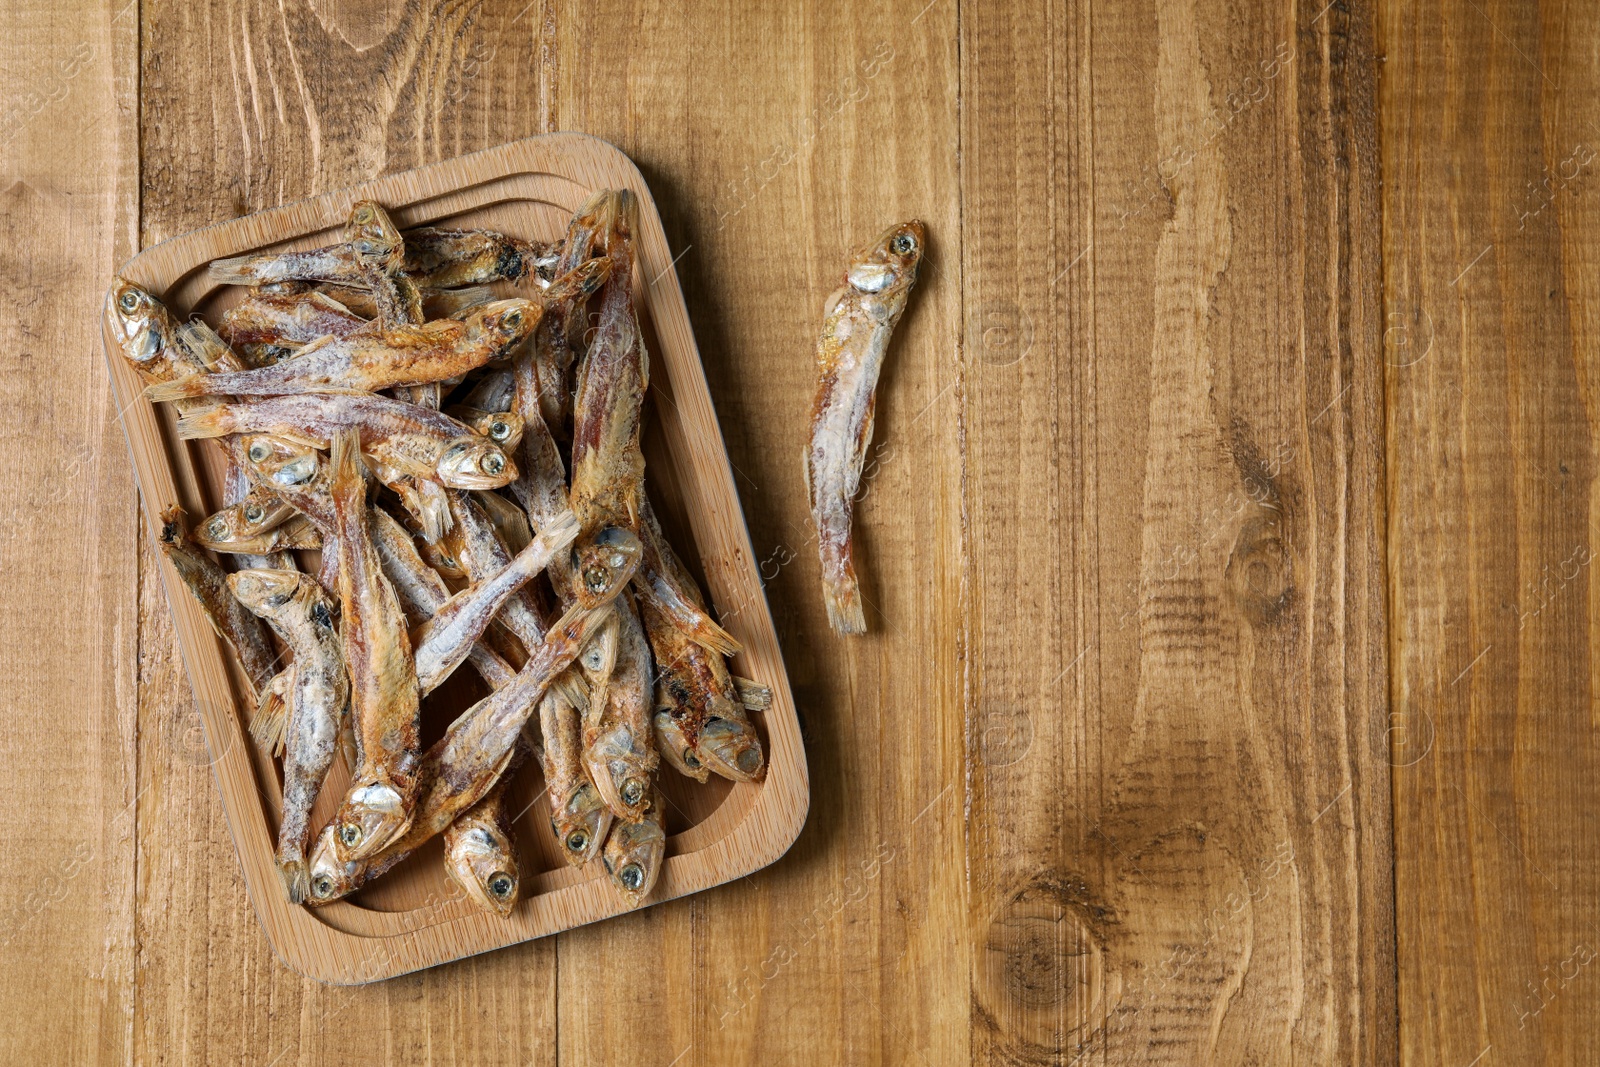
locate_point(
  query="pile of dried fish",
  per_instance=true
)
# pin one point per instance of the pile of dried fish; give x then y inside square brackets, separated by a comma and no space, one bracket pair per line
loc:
[375,400]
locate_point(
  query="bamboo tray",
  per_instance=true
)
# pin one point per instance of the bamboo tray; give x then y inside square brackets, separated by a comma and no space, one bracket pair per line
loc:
[415,917]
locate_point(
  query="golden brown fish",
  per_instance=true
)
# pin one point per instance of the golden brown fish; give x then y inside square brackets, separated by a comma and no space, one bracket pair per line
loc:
[635,851]
[288,319]
[447,258]
[464,765]
[480,854]
[319,698]
[370,360]
[857,322]
[384,697]
[578,816]
[618,742]
[208,583]
[147,334]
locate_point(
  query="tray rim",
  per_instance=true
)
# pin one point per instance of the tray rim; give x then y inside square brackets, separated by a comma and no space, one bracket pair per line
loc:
[772,820]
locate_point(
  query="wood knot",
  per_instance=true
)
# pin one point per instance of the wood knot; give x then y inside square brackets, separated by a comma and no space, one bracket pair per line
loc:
[1041,971]
[1261,571]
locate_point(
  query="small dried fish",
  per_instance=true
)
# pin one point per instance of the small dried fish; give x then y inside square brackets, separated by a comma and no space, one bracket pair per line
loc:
[664,583]
[480,854]
[464,765]
[444,640]
[147,334]
[380,257]
[403,437]
[369,360]
[618,744]
[384,697]
[289,319]
[607,465]
[319,701]
[467,257]
[635,851]
[858,320]
[209,585]
[578,816]
[298,533]
[258,513]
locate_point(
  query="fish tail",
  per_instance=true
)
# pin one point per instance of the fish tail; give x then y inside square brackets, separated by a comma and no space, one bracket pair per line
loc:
[447,303]
[560,532]
[296,878]
[344,461]
[583,280]
[710,636]
[235,271]
[193,385]
[205,422]
[843,599]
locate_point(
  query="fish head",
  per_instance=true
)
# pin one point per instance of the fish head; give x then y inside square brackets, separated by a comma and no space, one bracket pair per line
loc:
[481,860]
[374,235]
[331,877]
[621,767]
[266,592]
[634,852]
[144,327]
[280,460]
[675,747]
[889,263]
[474,462]
[730,746]
[504,428]
[581,825]
[374,814]
[502,324]
[605,563]
[241,522]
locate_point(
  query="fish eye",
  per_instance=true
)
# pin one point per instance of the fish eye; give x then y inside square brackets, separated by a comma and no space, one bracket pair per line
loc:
[632,877]
[350,834]
[128,300]
[689,759]
[259,451]
[217,528]
[254,513]
[499,429]
[596,578]
[492,463]
[500,884]
[513,319]
[577,841]
[632,792]
[322,886]
[903,244]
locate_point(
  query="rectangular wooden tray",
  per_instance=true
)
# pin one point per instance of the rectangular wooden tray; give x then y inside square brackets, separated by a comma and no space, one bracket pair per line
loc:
[415,917]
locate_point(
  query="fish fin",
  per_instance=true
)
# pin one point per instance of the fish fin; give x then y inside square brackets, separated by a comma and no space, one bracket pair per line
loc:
[580,283]
[233,271]
[753,695]
[448,303]
[344,461]
[714,638]
[271,719]
[843,600]
[204,422]
[572,689]
[179,389]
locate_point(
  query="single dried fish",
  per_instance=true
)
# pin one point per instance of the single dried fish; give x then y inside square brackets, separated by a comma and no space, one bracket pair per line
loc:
[666,584]
[857,323]
[147,334]
[319,701]
[442,257]
[618,744]
[402,437]
[480,854]
[384,696]
[369,360]
[209,585]
[380,257]
[635,851]
[578,816]
[607,464]
[289,319]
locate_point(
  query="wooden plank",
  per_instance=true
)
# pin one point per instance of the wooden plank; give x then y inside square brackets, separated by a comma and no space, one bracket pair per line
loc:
[1178,816]
[244,106]
[777,139]
[1491,225]
[68,206]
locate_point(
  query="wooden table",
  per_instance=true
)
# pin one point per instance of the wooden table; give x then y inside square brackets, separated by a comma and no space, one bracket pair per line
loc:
[1230,696]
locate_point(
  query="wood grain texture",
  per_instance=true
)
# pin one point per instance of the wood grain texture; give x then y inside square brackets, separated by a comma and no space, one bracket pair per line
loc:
[1490,230]
[68,204]
[1178,817]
